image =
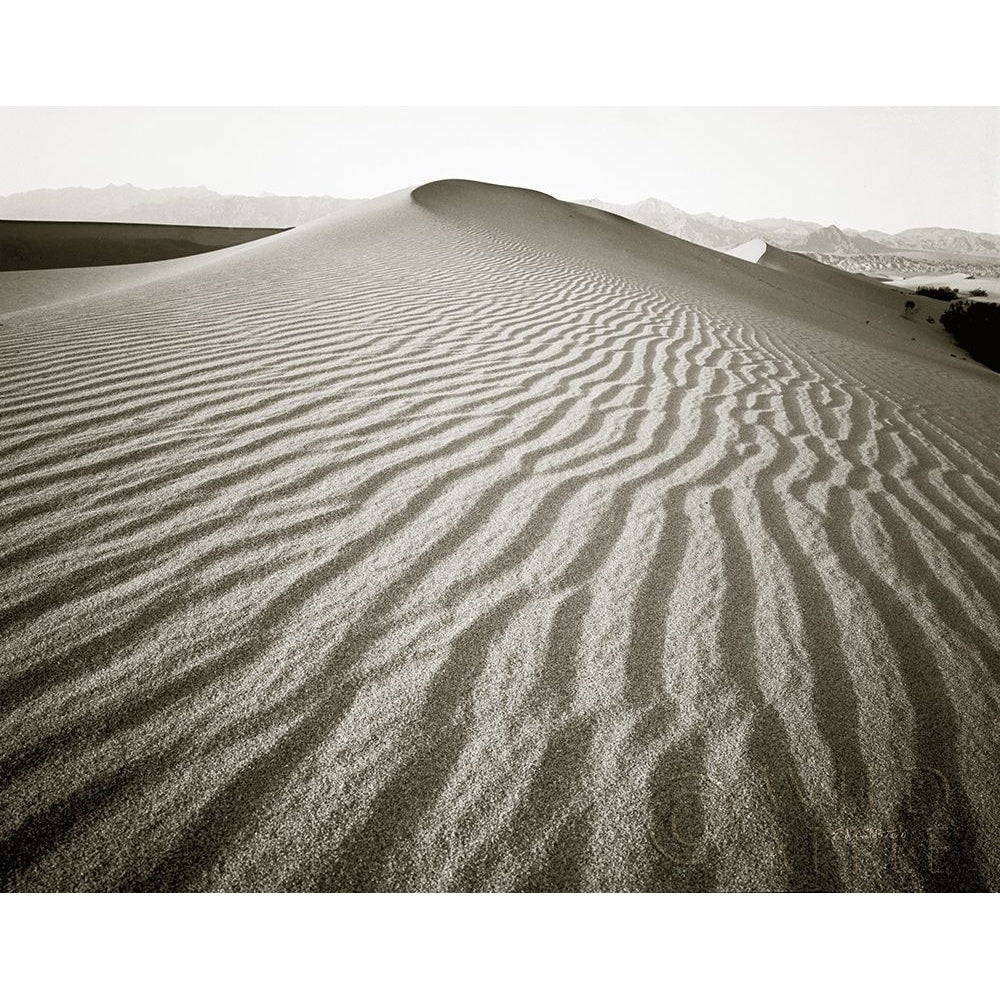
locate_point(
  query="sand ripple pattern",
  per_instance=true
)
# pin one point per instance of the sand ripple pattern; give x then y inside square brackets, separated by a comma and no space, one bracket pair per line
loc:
[406,552]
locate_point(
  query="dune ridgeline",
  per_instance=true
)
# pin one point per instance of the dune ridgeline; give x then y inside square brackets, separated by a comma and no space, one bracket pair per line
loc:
[473,540]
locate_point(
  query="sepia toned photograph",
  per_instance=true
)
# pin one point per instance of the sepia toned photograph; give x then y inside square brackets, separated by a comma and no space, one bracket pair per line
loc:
[500,500]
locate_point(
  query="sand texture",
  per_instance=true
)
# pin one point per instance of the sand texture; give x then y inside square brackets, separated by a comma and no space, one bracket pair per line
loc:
[472,540]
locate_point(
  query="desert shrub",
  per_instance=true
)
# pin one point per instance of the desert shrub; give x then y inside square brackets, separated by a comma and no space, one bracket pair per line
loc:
[944,294]
[978,291]
[976,329]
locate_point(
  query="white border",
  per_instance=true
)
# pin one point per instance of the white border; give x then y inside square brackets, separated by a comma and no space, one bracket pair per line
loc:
[508,53]
[514,53]
[466,946]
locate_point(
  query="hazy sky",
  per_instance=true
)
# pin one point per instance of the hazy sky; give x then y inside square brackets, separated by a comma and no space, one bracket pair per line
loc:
[863,168]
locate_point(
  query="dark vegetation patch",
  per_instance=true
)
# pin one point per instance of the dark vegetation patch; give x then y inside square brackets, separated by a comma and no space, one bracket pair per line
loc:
[976,329]
[933,292]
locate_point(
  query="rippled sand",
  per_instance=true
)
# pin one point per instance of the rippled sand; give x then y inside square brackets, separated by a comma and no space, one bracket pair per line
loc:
[470,540]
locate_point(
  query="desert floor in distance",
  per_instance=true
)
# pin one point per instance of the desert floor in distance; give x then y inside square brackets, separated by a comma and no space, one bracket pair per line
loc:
[472,540]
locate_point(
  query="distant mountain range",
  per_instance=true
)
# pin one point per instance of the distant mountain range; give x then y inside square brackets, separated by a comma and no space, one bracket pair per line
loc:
[833,240]
[196,206]
[916,262]
[721,233]
[199,206]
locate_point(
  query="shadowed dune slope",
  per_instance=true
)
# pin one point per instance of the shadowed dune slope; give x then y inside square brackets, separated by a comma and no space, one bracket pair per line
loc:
[471,540]
[32,246]
[21,290]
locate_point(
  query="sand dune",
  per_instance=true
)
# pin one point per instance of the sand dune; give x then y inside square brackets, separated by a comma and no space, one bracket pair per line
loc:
[472,540]
[20,290]
[31,246]
[751,251]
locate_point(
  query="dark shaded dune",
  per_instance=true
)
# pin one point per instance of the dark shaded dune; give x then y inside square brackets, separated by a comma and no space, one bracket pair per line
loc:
[32,246]
[471,540]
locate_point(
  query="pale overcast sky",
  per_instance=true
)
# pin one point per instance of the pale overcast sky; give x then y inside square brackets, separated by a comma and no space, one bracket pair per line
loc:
[862,168]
